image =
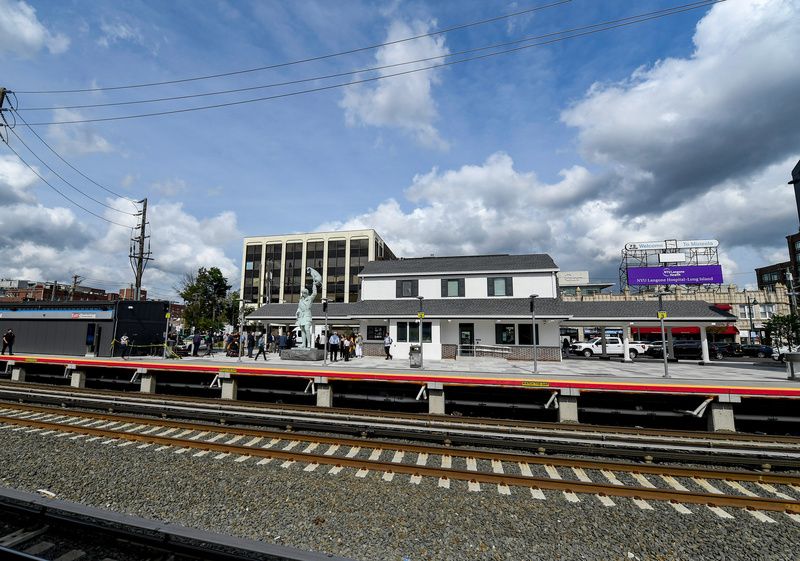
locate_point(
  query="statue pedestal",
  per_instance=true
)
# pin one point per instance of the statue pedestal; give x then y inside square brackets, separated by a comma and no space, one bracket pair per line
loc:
[302,354]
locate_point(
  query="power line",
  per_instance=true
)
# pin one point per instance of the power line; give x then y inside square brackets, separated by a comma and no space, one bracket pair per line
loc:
[374,68]
[64,180]
[62,194]
[310,59]
[641,19]
[16,113]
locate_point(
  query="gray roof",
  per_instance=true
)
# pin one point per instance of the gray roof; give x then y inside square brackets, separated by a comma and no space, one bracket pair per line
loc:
[459,264]
[498,308]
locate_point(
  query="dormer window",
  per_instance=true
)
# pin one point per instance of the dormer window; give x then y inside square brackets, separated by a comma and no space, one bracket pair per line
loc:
[452,288]
[500,286]
[407,288]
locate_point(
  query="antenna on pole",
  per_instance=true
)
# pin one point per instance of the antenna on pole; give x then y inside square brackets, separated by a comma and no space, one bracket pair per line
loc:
[140,252]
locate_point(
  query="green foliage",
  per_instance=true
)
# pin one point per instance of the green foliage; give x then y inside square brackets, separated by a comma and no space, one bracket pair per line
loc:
[783,330]
[205,295]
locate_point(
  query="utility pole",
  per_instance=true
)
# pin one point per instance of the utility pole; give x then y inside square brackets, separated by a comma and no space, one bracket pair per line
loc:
[53,292]
[3,122]
[140,250]
[75,280]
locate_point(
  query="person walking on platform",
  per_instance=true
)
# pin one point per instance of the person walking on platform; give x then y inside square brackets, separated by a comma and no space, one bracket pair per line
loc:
[196,340]
[387,346]
[359,346]
[8,342]
[209,344]
[260,345]
[124,347]
[333,345]
[346,349]
[251,343]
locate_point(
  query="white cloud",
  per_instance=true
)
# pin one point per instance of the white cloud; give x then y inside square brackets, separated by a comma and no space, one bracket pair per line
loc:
[404,102]
[15,181]
[169,187]
[76,139]
[118,32]
[676,129]
[22,33]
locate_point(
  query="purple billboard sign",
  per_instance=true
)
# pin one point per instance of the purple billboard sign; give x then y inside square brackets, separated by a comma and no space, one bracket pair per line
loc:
[688,274]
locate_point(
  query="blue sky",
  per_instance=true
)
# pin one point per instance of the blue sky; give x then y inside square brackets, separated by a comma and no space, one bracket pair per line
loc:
[682,127]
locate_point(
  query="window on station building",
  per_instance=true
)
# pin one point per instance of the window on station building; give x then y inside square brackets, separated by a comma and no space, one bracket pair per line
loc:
[408,332]
[500,286]
[504,334]
[402,331]
[252,273]
[337,262]
[452,288]
[525,334]
[376,332]
[407,288]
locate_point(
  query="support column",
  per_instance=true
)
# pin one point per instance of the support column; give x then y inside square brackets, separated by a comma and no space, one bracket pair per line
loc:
[148,384]
[604,351]
[720,414]
[670,344]
[435,398]
[78,379]
[568,405]
[324,392]
[626,344]
[17,374]
[704,344]
[229,388]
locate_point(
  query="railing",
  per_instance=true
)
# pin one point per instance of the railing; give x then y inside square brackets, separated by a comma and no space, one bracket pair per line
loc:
[484,350]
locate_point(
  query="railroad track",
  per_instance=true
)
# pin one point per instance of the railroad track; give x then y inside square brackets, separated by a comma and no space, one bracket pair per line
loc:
[766,496]
[761,451]
[33,527]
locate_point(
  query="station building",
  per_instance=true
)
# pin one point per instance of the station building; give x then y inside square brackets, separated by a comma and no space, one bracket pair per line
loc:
[471,305]
[274,267]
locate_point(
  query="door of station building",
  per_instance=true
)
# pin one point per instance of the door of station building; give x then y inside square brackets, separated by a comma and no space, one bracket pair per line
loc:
[466,339]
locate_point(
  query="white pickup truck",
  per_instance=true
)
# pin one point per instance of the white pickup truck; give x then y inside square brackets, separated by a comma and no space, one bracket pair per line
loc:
[613,347]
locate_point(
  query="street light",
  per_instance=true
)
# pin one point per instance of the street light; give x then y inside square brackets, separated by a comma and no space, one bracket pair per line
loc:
[420,315]
[327,335]
[750,304]
[661,315]
[533,332]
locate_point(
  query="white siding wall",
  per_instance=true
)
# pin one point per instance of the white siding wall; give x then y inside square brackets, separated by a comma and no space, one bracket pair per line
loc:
[542,284]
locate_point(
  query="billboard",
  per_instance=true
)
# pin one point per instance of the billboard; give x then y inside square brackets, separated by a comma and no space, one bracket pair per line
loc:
[683,274]
[671,244]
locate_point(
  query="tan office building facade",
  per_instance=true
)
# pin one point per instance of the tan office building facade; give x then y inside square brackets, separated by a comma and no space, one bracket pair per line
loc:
[274,267]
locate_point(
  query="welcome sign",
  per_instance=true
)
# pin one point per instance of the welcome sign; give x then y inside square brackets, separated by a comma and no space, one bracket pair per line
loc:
[689,274]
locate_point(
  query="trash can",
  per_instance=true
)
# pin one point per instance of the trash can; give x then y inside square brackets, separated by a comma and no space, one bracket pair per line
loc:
[415,356]
[792,365]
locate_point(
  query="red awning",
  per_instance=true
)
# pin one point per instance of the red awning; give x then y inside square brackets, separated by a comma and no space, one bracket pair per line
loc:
[716,330]
[723,306]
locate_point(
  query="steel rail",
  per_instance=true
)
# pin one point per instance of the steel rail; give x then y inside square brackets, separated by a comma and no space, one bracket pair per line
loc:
[675,471]
[426,419]
[636,492]
[551,444]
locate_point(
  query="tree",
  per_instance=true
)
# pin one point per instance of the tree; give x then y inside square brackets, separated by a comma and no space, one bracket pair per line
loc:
[782,329]
[204,294]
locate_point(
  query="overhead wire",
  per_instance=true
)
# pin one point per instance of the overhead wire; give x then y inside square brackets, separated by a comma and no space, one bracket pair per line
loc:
[127,227]
[42,140]
[310,59]
[639,19]
[65,180]
[664,12]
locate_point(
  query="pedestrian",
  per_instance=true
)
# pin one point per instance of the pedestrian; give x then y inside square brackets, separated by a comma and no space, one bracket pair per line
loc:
[359,346]
[271,342]
[387,346]
[282,340]
[260,345]
[123,346]
[8,342]
[565,346]
[346,348]
[333,345]
[251,343]
[316,342]
[209,344]
[196,340]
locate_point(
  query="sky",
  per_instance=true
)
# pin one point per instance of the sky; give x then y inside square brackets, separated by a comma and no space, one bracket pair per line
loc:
[682,127]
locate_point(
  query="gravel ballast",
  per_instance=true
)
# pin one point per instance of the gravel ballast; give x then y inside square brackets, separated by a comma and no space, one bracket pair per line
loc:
[371,519]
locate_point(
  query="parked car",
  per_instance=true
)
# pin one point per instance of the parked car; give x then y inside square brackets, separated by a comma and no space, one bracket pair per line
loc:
[759,351]
[184,347]
[779,352]
[645,344]
[723,349]
[613,347]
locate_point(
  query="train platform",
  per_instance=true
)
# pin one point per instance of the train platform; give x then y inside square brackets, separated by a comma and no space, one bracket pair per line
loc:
[742,377]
